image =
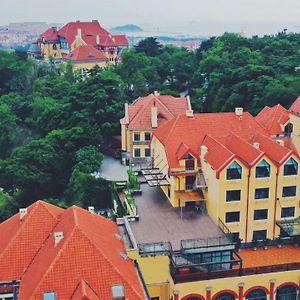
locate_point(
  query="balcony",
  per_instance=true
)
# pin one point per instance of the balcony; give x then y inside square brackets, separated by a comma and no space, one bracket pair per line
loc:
[140,142]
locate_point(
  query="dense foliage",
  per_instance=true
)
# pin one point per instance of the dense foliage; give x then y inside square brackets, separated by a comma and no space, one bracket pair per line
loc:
[53,124]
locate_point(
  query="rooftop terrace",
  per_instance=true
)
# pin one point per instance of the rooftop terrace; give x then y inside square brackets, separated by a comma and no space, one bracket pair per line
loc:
[160,222]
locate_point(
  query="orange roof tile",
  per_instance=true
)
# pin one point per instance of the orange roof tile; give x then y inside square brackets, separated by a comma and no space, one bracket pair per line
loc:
[192,130]
[295,108]
[273,256]
[167,108]
[83,291]
[277,153]
[272,119]
[21,240]
[86,53]
[89,251]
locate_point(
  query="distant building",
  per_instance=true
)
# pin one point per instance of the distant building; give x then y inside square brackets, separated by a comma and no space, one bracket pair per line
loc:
[60,45]
[143,116]
[49,253]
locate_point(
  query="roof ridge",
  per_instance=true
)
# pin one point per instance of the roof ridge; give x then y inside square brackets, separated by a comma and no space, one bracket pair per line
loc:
[164,105]
[55,258]
[175,120]
[29,216]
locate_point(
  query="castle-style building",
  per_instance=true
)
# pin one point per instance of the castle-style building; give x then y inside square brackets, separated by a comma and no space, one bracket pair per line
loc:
[85,43]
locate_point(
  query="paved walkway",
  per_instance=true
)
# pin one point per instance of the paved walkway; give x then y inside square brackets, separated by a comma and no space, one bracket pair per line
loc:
[112,169]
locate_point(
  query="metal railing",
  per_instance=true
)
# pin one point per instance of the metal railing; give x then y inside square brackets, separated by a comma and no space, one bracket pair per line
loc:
[205,243]
[155,249]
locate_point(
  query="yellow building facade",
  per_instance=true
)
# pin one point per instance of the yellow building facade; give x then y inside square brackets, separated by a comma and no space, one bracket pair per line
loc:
[246,178]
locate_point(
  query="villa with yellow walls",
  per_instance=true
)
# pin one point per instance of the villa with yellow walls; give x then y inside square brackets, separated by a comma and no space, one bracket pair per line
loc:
[143,116]
[98,46]
[242,174]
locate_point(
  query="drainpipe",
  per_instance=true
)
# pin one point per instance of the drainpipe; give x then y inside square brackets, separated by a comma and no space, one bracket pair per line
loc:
[275,204]
[247,207]
[208,293]
[272,288]
[241,290]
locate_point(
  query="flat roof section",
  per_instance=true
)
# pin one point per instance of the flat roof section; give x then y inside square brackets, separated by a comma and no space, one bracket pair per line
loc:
[160,222]
[288,254]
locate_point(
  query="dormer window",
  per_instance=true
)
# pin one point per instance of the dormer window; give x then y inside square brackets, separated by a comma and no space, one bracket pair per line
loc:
[262,170]
[118,292]
[234,171]
[189,162]
[290,167]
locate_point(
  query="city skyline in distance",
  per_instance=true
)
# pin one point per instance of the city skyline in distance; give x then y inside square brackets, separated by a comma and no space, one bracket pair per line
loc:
[196,17]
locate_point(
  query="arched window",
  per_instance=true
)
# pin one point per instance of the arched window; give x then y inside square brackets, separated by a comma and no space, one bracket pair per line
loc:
[262,169]
[287,292]
[290,167]
[225,296]
[234,171]
[257,294]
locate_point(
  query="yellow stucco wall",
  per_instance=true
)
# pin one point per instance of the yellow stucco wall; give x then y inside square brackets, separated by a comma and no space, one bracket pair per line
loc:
[217,285]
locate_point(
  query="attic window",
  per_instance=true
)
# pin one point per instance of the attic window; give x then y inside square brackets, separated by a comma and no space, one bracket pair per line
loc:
[118,292]
[49,296]
[90,54]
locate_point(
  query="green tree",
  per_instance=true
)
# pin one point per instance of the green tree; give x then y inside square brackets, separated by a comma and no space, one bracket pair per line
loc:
[149,46]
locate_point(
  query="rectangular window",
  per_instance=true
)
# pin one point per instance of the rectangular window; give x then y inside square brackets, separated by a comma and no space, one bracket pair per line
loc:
[137,137]
[289,191]
[262,193]
[137,152]
[148,152]
[288,212]
[259,235]
[260,214]
[147,136]
[190,182]
[232,217]
[234,195]
[235,236]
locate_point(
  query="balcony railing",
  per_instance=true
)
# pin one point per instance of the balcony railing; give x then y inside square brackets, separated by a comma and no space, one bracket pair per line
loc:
[140,142]
[206,271]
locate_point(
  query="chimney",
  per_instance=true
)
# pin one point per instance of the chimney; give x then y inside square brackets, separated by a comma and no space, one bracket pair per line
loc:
[280,142]
[256,145]
[95,21]
[189,113]
[126,113]
[239,111]
[79,33]
[156,93]
[91,209]
[23,213]
[58,236]
[54,28]
[97,39]
[203,151]
[188,99]
[154,117]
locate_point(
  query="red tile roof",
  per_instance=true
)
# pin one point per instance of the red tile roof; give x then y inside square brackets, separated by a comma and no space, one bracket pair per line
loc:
[83,291]
[89,33]
[21,240]
[273,119]
[87,261]
[226,137]
[120,39]
[50,35]
[86,53]
[295,108]
[192,130]
[168,107]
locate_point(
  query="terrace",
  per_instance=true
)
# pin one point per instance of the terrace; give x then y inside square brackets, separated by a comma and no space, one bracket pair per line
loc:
[160,222]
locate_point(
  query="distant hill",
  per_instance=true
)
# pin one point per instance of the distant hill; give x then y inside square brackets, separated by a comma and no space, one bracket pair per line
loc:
[126,28]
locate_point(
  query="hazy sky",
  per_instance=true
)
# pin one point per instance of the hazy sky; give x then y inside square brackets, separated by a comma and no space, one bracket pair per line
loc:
[196,16]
